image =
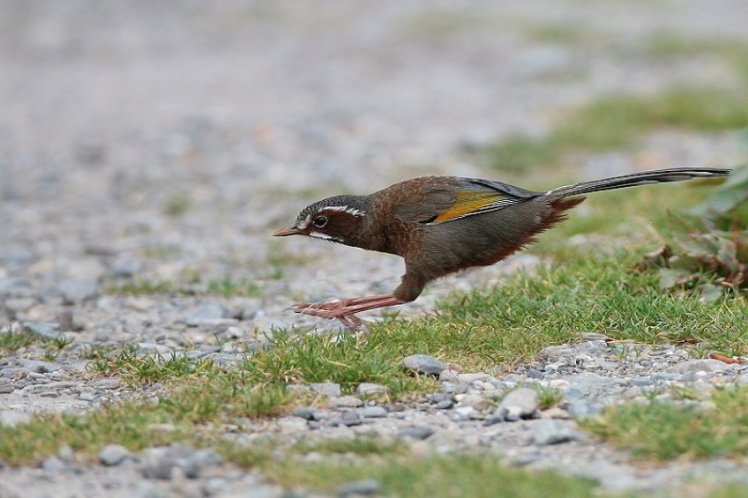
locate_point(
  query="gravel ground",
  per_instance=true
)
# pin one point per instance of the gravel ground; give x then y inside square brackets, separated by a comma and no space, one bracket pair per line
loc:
[168,140]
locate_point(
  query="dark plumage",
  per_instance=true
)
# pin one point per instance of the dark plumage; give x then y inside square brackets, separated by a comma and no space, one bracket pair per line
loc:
[444,224]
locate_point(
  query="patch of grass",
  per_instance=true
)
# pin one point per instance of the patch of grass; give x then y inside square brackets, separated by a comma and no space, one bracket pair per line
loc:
[185,413]
[146,369]
[13,341]
[664,431]
[360,446]
[497,328]
[346,360]
[547,397]
[223,287]
[228,287]
[562,33]
[617,121]
[143,287]
[434,476]
[439,24]
[178,205]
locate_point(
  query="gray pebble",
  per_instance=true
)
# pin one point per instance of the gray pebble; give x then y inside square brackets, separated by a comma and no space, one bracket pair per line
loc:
[305,412]
[522,402]
[365,487]
[78,290]
[445,404]
[348,402]
[547,432]
[113,454]
[40,366]
[44,330]
[371,388]
[125,267]
[582,408]
[350,418]
[329,389]
[707,365]
[417,432]
[374,412]
[18,304]
[53,464]
[194,464]
[424,364]
[206,313]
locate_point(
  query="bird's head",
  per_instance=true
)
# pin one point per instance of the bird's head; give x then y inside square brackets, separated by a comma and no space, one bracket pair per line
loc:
[339,219]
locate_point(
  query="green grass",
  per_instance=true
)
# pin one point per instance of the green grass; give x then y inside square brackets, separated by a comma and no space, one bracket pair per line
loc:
[15,340]
[192,409]
[664,431]
[617,121]
[223,287]
[146,369]
[178,205]
[434,476]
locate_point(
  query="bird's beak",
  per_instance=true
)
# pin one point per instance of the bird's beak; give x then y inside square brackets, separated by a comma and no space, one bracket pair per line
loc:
[283,232]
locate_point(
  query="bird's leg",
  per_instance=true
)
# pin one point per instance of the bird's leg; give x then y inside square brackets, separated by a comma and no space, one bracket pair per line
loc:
[346,308]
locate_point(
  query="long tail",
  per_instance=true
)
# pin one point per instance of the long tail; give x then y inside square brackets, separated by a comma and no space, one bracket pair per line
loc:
[634,179]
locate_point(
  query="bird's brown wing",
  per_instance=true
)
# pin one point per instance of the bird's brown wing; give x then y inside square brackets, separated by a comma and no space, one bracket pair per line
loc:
[475,196]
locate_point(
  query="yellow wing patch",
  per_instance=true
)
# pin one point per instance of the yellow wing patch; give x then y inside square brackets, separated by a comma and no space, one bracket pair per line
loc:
[468,202]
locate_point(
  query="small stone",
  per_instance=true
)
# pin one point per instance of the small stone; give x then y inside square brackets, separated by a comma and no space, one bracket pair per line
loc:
[371,388]
[305,412]
[113,454]
[448,375]
[78,290]
[350,418]
[445,404]
[707,365]
[44,330]
[475,401]
[469,378]
[329,389]
[125,267]
[556,412]
[139,303]
[66,453]
[40,366]
[547,432]
[582,409]
[18,304]
[417,432]
[374,412]
[6,387]
[348,402]
[206,313]
[365,487]
[53,464]
[194,464]
[423,364]
[523,402]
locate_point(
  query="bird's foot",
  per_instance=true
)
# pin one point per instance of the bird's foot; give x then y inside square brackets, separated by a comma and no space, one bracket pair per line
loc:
[345,310]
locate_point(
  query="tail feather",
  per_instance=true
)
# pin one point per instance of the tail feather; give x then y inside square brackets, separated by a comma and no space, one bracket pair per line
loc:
[635,179]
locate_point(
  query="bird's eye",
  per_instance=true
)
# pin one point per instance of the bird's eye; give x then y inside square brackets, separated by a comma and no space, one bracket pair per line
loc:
[320,221]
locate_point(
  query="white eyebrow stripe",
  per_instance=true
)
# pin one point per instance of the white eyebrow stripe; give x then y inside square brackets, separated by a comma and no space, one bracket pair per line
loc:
[344,209]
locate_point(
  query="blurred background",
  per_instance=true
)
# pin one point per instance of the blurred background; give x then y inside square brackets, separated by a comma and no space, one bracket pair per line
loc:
[148,149]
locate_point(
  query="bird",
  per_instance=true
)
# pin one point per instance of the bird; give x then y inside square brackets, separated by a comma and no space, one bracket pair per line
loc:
[444,224]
